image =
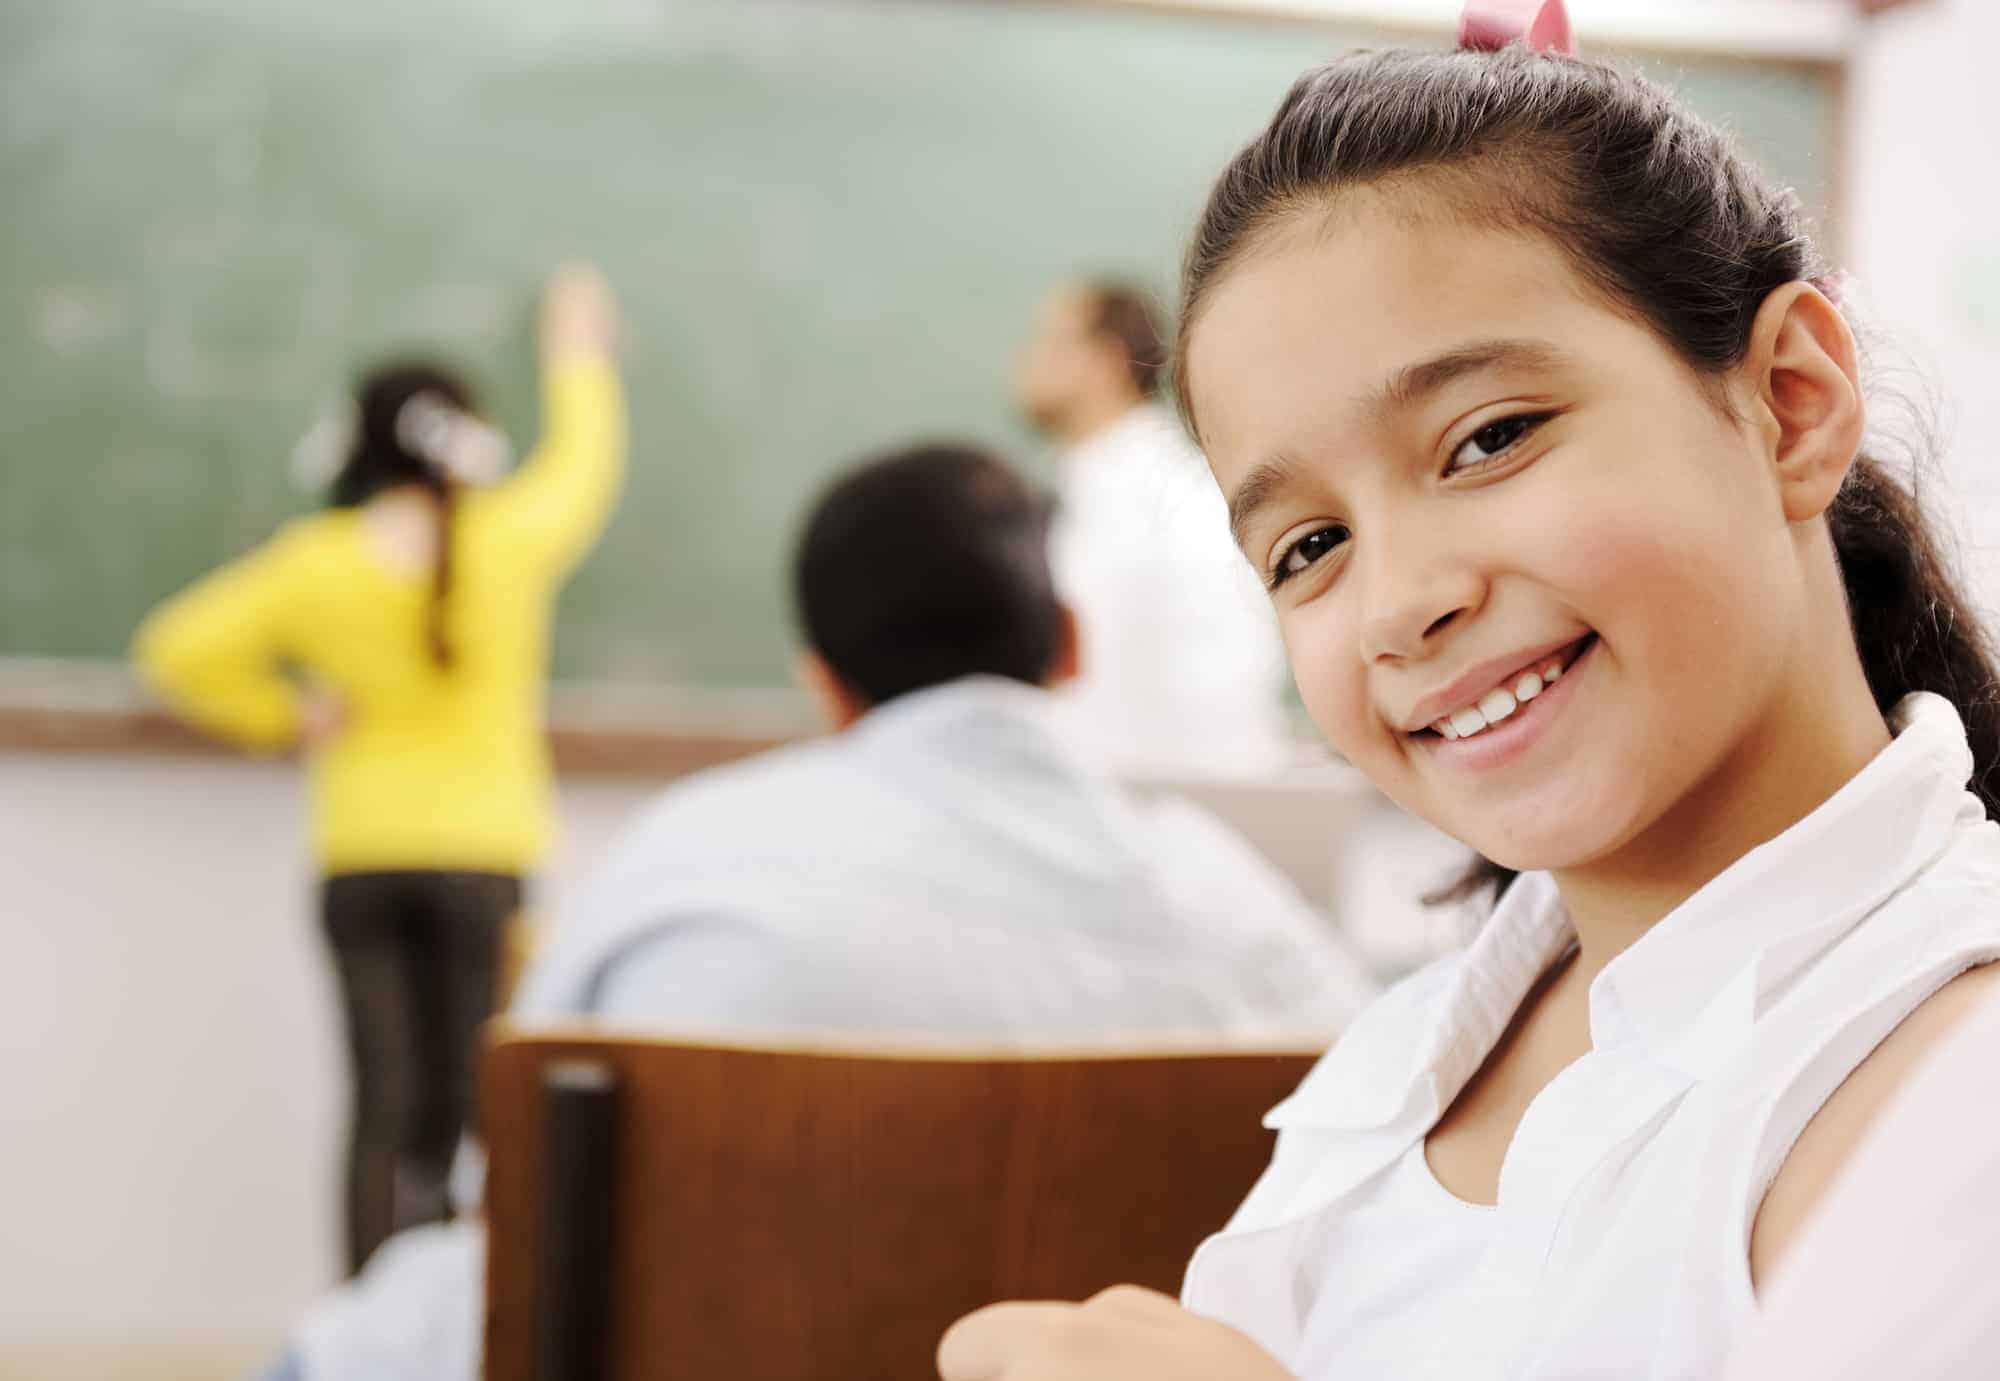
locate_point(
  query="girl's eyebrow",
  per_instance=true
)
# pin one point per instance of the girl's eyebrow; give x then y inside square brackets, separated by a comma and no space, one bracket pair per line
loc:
[1416,383]
[1263,484]
[1405,389]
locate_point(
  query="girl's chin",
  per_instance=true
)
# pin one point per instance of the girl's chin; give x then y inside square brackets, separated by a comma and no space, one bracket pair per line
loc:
[1548,830]
[1544,850]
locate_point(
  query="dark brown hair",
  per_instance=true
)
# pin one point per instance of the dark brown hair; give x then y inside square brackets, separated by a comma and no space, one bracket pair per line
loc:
[1662,215]
[378,460]
[927,565]
[1124,312]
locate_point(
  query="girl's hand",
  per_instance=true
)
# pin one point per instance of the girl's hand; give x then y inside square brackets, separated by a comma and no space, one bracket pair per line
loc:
[1124,1334]
[322,716]
[579,314]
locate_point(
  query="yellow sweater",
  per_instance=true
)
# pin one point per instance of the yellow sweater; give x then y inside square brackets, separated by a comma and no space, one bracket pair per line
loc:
[434,768]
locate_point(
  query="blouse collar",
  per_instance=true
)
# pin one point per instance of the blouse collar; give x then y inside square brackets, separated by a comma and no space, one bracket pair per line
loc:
[1689,990]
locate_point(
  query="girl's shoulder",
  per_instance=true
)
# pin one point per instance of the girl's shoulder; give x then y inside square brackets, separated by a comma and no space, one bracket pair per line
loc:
[327,532]
[1854,1109]
[301,549]
[1929,953]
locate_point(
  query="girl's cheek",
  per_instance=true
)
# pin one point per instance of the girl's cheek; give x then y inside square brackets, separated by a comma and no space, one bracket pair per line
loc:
[1615,556]
[1332,683]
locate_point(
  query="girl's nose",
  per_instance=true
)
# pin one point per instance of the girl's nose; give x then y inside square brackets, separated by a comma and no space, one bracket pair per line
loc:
[1410,602]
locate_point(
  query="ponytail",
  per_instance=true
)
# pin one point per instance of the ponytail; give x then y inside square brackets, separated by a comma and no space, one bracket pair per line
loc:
[414,427]
[437,632]
[1913,627]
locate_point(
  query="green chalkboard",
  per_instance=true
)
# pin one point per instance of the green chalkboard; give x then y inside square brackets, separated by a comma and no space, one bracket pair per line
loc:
[831,221]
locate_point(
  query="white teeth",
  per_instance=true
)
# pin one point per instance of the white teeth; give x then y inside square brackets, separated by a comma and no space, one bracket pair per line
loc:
[1497,704]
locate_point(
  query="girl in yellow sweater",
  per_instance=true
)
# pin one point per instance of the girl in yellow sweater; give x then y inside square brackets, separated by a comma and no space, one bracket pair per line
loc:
[401,639]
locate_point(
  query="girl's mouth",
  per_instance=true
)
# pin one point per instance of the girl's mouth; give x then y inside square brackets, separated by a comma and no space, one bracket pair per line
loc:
[1509,698]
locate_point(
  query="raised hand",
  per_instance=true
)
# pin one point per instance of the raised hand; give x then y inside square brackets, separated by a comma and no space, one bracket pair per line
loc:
[579,318]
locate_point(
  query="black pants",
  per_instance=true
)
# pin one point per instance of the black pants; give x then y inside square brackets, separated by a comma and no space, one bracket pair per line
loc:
[419,960]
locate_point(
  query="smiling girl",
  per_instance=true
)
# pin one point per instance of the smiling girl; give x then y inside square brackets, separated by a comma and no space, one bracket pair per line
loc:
[1536,416]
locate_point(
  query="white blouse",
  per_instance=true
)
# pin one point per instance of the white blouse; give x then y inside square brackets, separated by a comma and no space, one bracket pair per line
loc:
[1408,1254]
[1620,1242]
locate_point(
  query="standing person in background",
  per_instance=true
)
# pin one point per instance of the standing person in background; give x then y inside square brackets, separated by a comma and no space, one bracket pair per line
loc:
[401,639]
[1184,658]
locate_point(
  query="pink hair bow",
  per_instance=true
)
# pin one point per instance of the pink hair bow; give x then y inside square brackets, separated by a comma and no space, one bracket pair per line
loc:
[1488,25]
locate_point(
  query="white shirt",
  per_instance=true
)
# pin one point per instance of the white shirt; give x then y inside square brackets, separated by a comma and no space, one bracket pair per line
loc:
[947,865]
[1628,1193]
[945,868]
[1408,1254]
[1182,665]
[1899,1272]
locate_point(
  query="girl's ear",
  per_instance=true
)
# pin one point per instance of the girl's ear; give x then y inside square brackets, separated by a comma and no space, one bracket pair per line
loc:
[1803,368]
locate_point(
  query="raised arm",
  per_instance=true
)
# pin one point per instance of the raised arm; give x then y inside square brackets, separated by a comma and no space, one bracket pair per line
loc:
[558,502]
[214,652]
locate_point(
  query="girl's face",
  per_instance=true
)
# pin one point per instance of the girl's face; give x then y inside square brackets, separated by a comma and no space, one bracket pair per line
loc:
[1531,578]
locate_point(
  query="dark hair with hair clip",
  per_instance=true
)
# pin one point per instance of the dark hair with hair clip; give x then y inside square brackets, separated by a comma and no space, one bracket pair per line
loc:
[1662,215]
[378,460]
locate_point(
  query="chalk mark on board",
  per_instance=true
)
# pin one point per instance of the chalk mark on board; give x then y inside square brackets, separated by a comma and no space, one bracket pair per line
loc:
[71,320]
[298,299]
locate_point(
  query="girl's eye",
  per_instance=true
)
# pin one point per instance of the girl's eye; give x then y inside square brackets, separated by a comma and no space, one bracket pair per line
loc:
[1491,440]
[1305,551]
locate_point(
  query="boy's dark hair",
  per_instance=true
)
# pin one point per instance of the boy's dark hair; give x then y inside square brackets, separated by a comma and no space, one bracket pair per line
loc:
[378,460]
[927,565]
[1124,312]
[1657,210]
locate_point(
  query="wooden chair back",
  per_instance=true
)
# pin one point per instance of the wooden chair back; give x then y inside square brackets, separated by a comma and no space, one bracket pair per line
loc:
[690,1212]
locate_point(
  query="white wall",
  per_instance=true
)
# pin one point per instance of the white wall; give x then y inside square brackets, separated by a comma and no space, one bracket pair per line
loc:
[174,1080]
[1924,218]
